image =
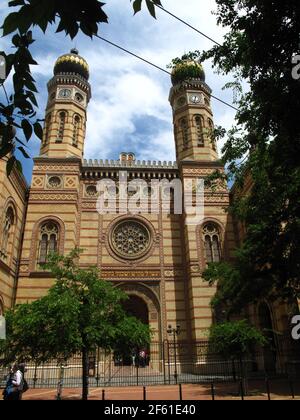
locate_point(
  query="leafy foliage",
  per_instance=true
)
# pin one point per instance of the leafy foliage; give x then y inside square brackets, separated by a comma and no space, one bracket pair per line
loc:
[80,312]
[19,111]
[137,6]
[262,150]
[233,340]
[190,56]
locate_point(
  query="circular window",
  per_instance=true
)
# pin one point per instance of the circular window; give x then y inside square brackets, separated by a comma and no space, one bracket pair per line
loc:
[91,191]
[55,182]
[130,239]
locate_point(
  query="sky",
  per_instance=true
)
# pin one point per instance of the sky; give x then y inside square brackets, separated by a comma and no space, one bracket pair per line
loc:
[129,109]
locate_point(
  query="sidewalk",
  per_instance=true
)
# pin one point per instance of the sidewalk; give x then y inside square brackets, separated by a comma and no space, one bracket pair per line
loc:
[158,393]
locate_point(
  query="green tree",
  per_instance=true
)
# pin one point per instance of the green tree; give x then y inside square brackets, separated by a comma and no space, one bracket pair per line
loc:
[19,110]
[79,314]
[235,341]
[264,146]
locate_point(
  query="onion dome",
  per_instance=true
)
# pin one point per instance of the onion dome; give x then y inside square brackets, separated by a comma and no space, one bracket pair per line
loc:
[72,63]
[187,69]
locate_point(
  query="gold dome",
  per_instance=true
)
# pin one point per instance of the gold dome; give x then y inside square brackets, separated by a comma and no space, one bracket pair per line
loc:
[187,69]
[72,63]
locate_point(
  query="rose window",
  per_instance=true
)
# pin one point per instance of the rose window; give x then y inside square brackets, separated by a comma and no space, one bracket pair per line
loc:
[130,239]
[55,182]
[91,190]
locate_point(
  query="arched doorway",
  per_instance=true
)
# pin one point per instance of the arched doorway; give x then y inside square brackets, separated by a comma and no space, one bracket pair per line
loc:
[137,307]
[270,350]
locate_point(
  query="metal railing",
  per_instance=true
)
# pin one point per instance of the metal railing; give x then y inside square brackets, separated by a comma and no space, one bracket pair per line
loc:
[165,363]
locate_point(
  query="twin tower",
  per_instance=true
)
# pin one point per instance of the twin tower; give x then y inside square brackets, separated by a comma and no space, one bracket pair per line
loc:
[70,92]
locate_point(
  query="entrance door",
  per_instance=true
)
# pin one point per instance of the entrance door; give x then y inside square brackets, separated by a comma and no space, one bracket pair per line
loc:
[135,306]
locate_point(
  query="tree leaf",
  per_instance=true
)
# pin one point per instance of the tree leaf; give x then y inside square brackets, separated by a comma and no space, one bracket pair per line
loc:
[15,3]
[137,6]
[151,8]
[10,24]
[27,129]
[24,153]
[38,130]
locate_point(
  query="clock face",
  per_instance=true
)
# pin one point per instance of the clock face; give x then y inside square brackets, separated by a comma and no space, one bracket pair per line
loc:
[195,99]
[79,97]
[65,93]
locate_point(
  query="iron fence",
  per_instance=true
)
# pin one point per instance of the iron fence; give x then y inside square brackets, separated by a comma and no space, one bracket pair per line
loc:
[166,363]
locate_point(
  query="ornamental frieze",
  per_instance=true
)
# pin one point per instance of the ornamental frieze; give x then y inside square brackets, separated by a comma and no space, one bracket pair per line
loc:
[89,205]
[217,199]
[131,275]
[173,273]
[199,172]
[53,197]
[56,168]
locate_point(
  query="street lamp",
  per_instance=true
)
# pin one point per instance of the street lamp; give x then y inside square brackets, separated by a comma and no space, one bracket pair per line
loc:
[175,332]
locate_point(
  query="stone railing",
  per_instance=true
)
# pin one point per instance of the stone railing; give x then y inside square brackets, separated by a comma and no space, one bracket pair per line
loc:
[95,163]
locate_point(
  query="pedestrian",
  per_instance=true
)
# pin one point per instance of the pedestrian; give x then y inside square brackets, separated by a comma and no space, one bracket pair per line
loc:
[25,387]
[142,358]
[14,384]
[133,357]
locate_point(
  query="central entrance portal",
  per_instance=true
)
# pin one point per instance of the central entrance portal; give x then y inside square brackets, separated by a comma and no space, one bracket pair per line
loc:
[136,307]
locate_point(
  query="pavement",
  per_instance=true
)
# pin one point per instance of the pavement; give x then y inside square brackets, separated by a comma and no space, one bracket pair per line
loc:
[167,393]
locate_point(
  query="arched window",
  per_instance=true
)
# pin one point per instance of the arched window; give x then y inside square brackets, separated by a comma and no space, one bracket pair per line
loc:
[211,129]
[199,127]
[7,231]
[185,133]
[76,130]
[62,116]
[212,243]
[47,129]
[48,241]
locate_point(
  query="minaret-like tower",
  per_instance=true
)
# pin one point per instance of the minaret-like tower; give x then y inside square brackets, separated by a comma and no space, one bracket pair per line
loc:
[197,158]
[68,96]
[192,116]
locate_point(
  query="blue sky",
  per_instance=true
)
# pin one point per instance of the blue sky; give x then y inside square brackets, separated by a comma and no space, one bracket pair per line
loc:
[129,110]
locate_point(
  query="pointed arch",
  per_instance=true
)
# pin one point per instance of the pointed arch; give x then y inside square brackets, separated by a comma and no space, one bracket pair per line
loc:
[47,128]
[184,128]
[76,128]
[62,116]
[199,123]
[8,230]
[211,244]
[46,239]
[212,240]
